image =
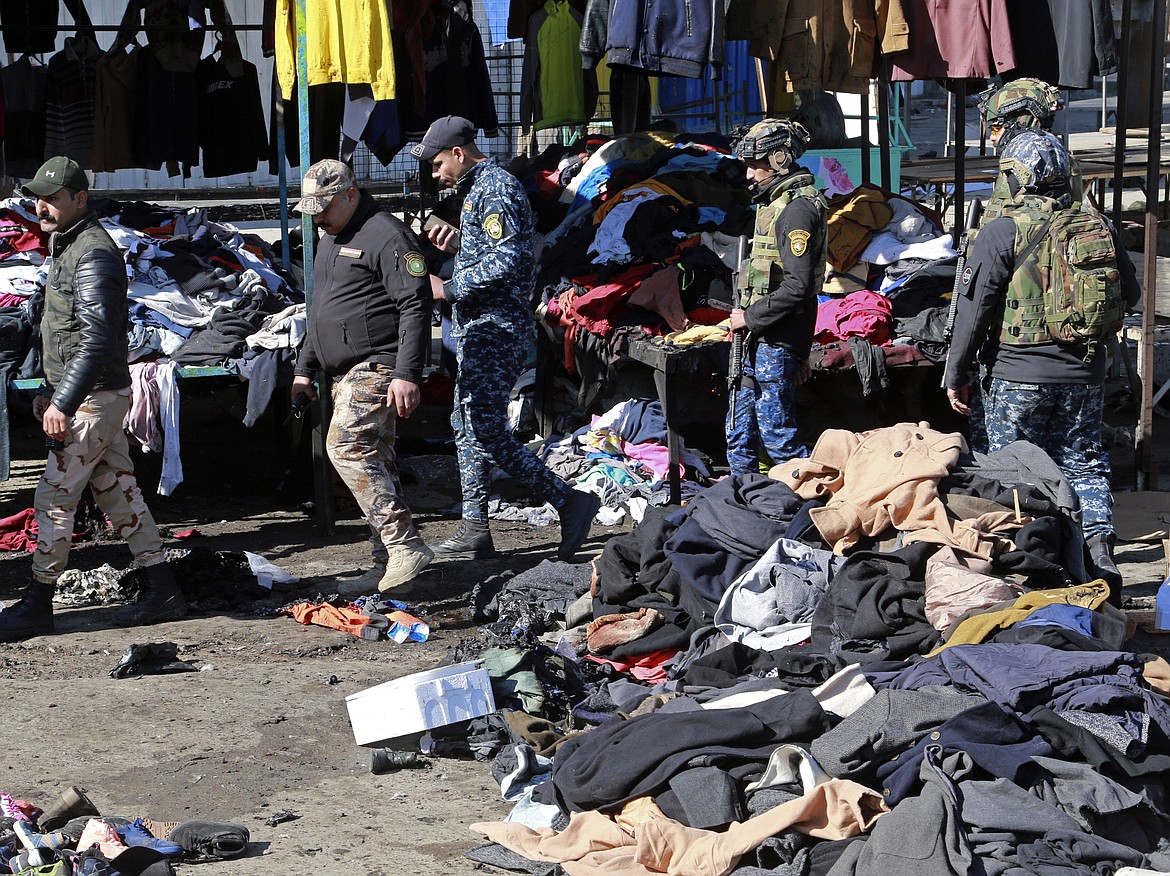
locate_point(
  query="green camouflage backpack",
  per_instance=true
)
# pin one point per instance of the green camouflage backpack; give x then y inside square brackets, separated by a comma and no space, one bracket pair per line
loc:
[1066,286]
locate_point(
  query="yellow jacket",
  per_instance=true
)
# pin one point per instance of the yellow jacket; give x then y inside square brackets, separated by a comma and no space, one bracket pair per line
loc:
[346,41]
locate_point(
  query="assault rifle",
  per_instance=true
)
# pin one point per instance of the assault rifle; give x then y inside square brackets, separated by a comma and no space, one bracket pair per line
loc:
[738,338]
[974,211]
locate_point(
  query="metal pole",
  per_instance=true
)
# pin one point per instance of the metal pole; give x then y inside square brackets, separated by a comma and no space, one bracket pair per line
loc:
[1147,477]
[960,154]
[1119,128]
[865,145]
[883,86]
[322,470]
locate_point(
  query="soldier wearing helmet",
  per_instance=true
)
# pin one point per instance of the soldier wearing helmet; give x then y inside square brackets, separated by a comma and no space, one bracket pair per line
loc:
[1037,388]
[778,294]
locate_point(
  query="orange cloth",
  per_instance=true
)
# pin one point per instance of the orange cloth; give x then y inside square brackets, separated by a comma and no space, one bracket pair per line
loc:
[325,615]
[643,189]
[853,219]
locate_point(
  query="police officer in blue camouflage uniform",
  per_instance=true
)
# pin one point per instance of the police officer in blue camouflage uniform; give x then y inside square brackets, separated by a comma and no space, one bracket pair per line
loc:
[493,326]
[1041,390]
[785,272]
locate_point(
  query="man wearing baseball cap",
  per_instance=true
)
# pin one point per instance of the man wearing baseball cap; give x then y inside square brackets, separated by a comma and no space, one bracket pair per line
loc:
[82,406]
[493,326]
[369,328]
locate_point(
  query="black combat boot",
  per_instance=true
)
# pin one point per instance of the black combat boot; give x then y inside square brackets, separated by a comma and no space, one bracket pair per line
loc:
[472,541]
[160,599]
[1101,556]
[31,616]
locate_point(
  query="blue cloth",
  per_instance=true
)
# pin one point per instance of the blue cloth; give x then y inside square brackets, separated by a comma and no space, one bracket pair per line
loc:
[1071,617]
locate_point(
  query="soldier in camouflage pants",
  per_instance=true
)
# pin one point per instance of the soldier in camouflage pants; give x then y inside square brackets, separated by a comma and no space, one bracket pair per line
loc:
[492,313]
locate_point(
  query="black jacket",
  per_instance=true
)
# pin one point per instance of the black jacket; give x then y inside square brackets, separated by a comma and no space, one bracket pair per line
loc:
[371,298]
[83,329]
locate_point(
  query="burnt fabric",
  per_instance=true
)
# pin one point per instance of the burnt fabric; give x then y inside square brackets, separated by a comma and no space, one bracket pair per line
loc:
[796,666]
[726,529]
[623,760]
[876,608]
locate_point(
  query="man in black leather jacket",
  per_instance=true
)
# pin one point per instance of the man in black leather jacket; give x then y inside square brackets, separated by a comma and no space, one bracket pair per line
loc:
[81,409]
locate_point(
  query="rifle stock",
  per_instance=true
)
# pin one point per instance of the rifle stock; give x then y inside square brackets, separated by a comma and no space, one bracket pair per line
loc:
[974,211]
[738,338]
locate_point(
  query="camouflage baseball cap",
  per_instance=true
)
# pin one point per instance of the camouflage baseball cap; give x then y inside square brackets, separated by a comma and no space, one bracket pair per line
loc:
[323,180]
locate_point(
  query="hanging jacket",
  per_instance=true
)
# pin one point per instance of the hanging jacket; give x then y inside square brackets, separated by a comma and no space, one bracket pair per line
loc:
[553,85]
[829,44]
[346,41]
[668,37]
[948,40]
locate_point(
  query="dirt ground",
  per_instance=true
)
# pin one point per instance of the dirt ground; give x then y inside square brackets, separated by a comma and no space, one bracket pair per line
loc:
[263,729]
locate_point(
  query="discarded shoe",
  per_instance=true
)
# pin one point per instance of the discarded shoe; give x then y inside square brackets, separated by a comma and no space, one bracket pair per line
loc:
[40,862]
[136,834]
[402,566]
[31,616]
[73,803]
[30,839]
[382,760]
[11,808]
[159,829]
[101,834]
[211,840]
[1101,555]
[576,517]
[160,600]
[364,585]
[471,541]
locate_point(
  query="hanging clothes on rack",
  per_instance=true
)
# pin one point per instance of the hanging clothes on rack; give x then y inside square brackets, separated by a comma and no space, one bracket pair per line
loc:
[828,44]
[24,84]
[1069,41]
[554,87]
[326,111]
[959,39]
[456,74]
[30,26]
[175,29]
[668,37]
[166,130]
[232,135]
[69,99]
[346,41]
[115,106]
[520,13]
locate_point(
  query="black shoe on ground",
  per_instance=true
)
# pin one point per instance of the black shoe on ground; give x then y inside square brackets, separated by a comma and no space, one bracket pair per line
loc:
[576,518]
[160,600]
[31,616]
[471,541]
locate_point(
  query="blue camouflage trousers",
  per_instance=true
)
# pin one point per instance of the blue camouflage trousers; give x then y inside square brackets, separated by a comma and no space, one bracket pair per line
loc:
[490,359]
[976,420]
[765,409]
[1064,420]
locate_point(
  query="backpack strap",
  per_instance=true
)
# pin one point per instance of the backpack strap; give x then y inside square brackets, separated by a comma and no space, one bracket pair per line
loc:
[1035,241]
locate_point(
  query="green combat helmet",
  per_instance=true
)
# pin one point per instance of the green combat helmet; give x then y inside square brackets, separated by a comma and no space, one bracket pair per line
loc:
[778,141]
[1020,105]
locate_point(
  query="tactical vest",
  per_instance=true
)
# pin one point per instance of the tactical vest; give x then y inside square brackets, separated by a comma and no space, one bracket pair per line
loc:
[766,264]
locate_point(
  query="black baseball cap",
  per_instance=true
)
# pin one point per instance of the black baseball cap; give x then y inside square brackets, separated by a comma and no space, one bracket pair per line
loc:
[444,133]
[55,174]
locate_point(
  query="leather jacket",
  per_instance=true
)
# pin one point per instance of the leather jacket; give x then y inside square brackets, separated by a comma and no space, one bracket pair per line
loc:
[83,329]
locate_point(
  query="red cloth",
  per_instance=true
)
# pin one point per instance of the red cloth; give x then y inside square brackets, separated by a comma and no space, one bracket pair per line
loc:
[861,314]
[593,309]
[19,532]
[18,235]
[644,667]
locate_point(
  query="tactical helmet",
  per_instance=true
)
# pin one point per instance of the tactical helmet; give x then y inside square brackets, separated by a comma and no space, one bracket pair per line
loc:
[1020,105]
[779,141]
[1038,161]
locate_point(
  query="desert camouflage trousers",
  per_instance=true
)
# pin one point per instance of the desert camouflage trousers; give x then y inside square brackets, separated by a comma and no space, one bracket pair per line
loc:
[97,453]
[360,444]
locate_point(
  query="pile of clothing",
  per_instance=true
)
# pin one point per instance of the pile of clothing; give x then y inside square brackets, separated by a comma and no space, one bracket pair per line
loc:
[200,293]
[885,658]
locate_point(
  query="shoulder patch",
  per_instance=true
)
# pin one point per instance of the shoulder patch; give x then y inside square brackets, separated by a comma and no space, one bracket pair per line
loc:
[493,225]
[968,273]
[416,265]
[798,242]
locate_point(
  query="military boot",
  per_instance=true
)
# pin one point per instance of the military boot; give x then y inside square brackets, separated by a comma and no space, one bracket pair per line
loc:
[1101,556]
[160,600]
[31,616]
[472,541]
